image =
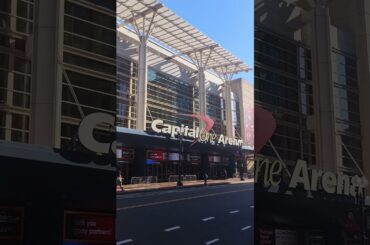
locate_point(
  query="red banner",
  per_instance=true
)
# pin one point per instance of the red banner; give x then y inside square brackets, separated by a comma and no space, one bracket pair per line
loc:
[89,227]
[155,155]
[11,223]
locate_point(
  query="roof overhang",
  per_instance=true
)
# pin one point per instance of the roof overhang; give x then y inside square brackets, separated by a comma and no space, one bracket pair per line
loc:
[177,35]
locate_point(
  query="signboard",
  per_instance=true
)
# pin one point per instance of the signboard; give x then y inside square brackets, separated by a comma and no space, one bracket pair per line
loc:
[11,223]
[194,158]
[316,238]
[173,156]
[198,134]
[88,228]
[286,237]
[125,154]
[155,155]
[265,237]
[270,174]
[214,159]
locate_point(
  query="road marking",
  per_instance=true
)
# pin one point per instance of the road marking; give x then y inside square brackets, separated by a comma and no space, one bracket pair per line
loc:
[209,218]
[181,199]
[172,228]
[246,228]
[233,212]
[212,241]
[252,206]
[125,241]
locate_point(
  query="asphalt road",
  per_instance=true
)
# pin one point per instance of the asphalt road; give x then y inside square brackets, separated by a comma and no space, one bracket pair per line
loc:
[200,215]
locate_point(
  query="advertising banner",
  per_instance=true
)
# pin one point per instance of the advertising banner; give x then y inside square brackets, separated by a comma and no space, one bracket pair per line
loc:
[214,159]
[265,237]
[286,237]
[11,224]
[194,158]
[155,155]
[173,156]
[125,154]
[88,228]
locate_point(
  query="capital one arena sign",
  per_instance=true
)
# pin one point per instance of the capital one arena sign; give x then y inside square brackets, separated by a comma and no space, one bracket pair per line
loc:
[202,135]
[270,174]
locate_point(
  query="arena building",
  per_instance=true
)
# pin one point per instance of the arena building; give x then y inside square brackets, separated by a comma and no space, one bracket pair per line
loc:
[180,108]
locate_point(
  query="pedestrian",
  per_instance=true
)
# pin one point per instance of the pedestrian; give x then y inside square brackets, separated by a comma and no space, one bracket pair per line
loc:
[119,180]
[225,173]
[205,177]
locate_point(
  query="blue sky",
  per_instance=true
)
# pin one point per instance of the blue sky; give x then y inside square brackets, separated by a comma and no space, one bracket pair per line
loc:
[227,22]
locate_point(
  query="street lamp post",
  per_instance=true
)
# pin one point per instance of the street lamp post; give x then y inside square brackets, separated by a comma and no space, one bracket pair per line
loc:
[243,163]
[181,151]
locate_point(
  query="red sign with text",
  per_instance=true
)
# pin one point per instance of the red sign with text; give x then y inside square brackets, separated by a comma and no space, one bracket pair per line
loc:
[11,223]
[155,155]
[89,227]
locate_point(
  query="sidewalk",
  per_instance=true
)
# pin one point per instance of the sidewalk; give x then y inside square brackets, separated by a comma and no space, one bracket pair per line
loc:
[172,185]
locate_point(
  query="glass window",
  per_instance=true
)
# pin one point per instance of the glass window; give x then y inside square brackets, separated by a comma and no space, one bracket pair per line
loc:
[89,45]
[90,15]
[5,6]
[21,100]
[22,65]
[19,136]
[89,63]
[108,4]
[4,61]
[90,30]
[20,121]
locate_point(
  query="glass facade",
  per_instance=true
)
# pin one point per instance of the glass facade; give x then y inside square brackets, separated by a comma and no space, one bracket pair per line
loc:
[347,111]
[16,34]
[235,115]
[126,91]
[216,109]
[89,61]
[283,85]
[168,97]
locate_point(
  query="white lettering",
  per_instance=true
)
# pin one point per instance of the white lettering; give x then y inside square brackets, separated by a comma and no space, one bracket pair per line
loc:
[154,125]
[300,175]
[329,181]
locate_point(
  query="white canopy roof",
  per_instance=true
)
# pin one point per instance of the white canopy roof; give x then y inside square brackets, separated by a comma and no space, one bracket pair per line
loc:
[177,35]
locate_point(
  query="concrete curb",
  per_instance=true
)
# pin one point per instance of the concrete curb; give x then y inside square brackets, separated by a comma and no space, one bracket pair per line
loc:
[138,190]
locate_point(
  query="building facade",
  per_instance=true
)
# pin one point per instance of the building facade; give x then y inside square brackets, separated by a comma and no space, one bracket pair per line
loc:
[55,56]
[177,87]
[312,74]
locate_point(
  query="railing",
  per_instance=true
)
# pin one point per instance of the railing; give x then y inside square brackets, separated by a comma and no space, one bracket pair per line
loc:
[144,179]
[175,178]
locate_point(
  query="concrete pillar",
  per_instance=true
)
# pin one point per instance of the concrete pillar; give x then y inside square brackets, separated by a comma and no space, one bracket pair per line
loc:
[141,96]
[47,80]
[323,90]
[228,113]
[202,93]
[362,37]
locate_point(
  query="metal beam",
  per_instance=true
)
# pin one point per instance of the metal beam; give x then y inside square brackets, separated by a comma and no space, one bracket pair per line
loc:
[144,13]
[200,49]
[225,65]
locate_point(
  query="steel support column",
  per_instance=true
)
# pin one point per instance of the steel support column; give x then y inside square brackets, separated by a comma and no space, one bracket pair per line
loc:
[323,88]
[141,95]
[228,109]
[202,92]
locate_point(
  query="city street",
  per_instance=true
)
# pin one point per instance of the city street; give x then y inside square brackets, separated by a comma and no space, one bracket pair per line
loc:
[220,214]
